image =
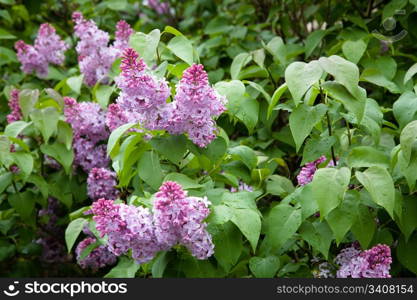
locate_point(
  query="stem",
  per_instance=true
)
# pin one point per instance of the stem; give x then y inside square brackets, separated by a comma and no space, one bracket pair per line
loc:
[348,133]
[329,124]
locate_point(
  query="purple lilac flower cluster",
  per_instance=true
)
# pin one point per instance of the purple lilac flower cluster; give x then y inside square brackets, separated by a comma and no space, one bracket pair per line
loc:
[176,219]
[87,120]
[161,8]
[101,183]
[95,55]
[16,113]
[307,172]
[98,258]
[53,247]
[242,187]
[143,99]
[371,263]
[48,48]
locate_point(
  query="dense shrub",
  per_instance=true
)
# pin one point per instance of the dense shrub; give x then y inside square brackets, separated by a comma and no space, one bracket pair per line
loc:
[202,138]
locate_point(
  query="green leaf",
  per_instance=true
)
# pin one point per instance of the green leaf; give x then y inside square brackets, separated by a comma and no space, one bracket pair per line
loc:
[244,154]
[354,50]
[318,235]
[352,104]
[238,63]
[259,57]
[407,139]
[46,120]
[375,76]
[313,40]
[172,30]
[366,156]
[64,134]
[249,223]
[342,218]
[279,186]
[172,147]
[15,128]
[40,183]
[264,267]
[160,263]
[328,187]
[406,253]
[24,161]
[300,76]
[364,226]
[112,144]
[125,268]
[378,182]
[405,108]
[5,35]
[229,245]
[183,48]
[344,72]
[410,73]
[282,223]
[408,221]
[73,231]
[149,169]
[275,98]
[5,181]
[146,44]
[23,203]
[317,146]
[372,120]
[102,94]
[185,181]
[75,83]
[27,101]
[303,119]
[60,153]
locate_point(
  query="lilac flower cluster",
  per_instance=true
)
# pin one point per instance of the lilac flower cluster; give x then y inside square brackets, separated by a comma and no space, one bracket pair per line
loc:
[179,220]
[101,183]
[307,172]
[372,263]
[16,113]
[161,8]
[53,247]
[98,258]
[242,187]
[48,48]
[95,55]
[87,120]
[143,99]
[127,227]
[176,219]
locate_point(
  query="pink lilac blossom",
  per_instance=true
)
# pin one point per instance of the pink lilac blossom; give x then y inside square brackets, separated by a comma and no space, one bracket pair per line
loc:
[372,263]
[98,258]
[160,7]
[95,55]
[143,95]
[101,183]
[196,103]
[16,113]
[48,48]
[89,155]
[126,227]
[307,172]
[115,117]
[87,119]
[179,219]
[49,45]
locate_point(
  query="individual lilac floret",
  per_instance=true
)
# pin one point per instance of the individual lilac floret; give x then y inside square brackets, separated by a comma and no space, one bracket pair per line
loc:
[31,59]
[49,45]
[126,227]
[16,113]
[89,155]
[48,48]
[307,172]
[242,187]
[143,95]
[372,263]
[180,220]
[95,55]
[101,183]
[196,103]
[87,119]
[98,258]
